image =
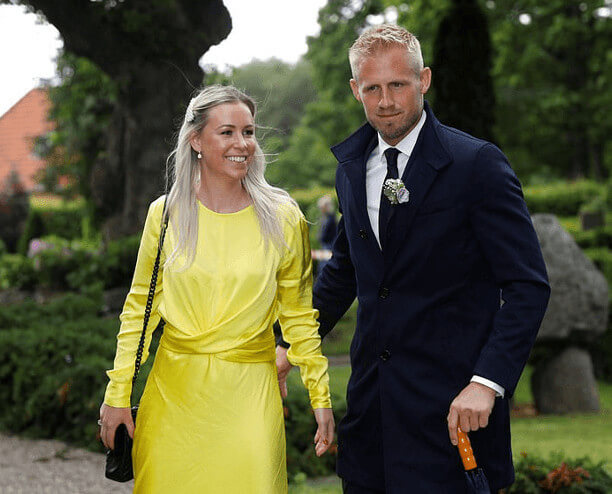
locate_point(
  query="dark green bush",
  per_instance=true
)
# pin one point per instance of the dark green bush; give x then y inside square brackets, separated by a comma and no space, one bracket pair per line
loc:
[52,363]
[60,264]
[113,267]
[535,475]
[563,198]
[17,272]
[53,359]
[597,237]
[300,428]
[64,221]
[14,207]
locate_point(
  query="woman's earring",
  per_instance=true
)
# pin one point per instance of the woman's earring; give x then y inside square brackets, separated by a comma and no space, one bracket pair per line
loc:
[199,155]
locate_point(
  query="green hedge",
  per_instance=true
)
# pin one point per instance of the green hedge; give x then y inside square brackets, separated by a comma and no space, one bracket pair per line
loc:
[535,475]
[53,359]
[69,221]
[597,237]
[60,264]
[562,198]
[301,426]
[17,271]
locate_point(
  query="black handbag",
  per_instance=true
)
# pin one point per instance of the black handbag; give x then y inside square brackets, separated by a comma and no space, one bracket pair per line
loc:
[119,460]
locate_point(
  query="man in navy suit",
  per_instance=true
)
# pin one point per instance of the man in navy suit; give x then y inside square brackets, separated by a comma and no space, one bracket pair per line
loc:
[450,280]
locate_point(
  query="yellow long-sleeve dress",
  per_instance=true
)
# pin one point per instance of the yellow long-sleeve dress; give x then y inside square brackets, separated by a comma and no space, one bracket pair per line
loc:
[210,418]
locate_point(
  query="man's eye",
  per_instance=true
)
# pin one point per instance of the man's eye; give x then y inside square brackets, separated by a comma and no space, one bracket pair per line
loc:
[371,88]
[398,84]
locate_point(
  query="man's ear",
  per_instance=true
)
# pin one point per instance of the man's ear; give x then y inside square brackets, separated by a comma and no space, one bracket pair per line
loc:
[425,78]
[355,89]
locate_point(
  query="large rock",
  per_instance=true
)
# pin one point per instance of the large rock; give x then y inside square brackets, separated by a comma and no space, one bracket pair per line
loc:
[566,384]
[578,306]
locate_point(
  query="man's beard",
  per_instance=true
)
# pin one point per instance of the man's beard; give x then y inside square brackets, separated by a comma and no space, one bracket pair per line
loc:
[401,131]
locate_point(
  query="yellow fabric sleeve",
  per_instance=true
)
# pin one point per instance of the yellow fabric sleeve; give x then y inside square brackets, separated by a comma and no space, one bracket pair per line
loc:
[297,317]
[119,388]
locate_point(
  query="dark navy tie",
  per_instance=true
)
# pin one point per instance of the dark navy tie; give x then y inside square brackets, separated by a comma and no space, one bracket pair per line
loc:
[384,211]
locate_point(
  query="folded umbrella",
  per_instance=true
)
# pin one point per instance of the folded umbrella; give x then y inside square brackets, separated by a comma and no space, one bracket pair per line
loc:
[476,478]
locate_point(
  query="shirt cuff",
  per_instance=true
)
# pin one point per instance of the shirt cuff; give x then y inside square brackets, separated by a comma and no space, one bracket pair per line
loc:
[499,391]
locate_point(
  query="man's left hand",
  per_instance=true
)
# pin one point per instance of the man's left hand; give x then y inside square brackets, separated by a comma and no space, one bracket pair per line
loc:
[470,410]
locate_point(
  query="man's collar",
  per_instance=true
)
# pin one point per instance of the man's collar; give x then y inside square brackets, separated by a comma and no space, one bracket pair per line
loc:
[406,145]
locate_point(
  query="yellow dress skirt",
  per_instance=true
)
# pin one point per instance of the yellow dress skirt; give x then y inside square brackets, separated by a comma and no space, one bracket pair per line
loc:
[210,418]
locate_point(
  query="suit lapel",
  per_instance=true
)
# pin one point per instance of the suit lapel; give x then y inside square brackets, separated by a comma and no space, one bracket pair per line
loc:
[428,158]
[356,172]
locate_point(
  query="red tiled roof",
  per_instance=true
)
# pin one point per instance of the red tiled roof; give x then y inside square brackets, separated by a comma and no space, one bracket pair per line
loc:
[19,127]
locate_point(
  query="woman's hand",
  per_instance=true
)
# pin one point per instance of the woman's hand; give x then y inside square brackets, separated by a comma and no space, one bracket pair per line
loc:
[325,432]
[110,418]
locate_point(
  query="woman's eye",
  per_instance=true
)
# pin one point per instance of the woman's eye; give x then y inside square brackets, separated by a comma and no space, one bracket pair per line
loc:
[249,132]
[226,133]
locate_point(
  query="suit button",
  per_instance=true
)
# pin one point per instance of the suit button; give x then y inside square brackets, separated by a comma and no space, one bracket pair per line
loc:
[385,355]
[383,293]
[363,234]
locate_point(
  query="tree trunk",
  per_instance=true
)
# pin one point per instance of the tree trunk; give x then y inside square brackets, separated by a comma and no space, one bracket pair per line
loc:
[150,48]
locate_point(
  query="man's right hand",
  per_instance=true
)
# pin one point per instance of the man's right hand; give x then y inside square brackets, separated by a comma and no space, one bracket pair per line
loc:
[283,367]
[110,418]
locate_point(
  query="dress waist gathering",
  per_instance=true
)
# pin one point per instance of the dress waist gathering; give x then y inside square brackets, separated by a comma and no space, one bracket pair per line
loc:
[260,348]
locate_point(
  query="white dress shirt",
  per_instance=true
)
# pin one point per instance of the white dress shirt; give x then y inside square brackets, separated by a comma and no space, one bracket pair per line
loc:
[376,171]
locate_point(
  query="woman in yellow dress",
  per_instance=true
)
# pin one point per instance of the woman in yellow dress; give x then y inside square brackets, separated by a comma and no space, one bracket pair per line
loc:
[235,258]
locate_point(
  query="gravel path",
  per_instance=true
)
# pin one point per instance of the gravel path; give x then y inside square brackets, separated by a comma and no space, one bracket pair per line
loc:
[51,467]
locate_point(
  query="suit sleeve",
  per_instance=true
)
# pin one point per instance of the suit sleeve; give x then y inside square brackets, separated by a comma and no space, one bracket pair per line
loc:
[506,236]
[336,286]
[119,389]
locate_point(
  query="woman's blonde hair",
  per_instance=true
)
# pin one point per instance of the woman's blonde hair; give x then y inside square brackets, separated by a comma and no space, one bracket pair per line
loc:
[183,177]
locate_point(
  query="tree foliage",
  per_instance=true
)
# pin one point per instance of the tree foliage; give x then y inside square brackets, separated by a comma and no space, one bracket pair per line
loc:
[150,50]
[462,62]
[335,113]
[552,69]
[82,105]
[553,72]
[281,91]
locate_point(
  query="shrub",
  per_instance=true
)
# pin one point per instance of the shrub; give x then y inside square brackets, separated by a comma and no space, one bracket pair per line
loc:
[562,199]
[55,258]
[536,475]
[17,272]
[66,220]
[597,237]
[301,427]
[53,358]
[14,207]
[61,264]
[113,267]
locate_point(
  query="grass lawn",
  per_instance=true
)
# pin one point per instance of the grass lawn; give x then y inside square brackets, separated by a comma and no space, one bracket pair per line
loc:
[574,436]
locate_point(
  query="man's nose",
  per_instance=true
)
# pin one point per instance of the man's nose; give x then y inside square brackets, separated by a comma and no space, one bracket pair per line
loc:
[385,99]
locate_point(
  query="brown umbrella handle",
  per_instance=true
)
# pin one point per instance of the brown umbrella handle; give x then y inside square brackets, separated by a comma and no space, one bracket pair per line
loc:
[465,450]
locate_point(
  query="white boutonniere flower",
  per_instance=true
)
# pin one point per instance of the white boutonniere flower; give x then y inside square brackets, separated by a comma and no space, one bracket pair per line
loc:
[395,190]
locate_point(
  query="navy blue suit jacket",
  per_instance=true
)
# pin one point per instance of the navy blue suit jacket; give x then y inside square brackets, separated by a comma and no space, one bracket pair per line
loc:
[429,315]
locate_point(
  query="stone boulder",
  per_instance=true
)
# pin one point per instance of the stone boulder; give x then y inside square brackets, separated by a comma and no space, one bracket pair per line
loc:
[566,384]
[578,306]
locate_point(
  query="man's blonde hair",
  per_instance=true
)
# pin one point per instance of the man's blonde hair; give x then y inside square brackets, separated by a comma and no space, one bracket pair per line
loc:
[382,37]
